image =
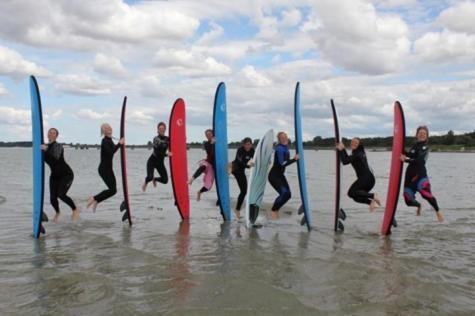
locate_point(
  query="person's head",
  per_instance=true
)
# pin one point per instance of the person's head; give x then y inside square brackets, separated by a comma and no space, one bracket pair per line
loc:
[422,134]
[282,138]
[106,130]
[355,143]
[161,128]
[247,143]
[52,134]
[209,134]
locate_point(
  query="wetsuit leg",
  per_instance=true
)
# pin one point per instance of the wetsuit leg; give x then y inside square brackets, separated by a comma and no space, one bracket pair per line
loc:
[64,185]
[360,190]
[109,179]
[203,190]
[53,193]
[410,189]
[150,168]
[199,171]
[242,183]
[423,187]
[279,183]
[162,171]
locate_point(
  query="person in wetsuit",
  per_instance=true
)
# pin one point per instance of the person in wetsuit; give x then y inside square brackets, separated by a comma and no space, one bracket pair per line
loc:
[276,175]
[360,190]
[238,166]
[205,164]
[61,177]
[416,179]
[161,144]
[108,149]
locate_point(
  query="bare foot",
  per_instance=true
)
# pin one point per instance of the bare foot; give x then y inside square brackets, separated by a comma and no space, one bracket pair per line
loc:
[56,217]
[440,217]
[418,212]
[274,215]
[90,201]
[237,213]
[373,206]
[75,215]
[376,199]
[94,206]
[191,180]
[198,196]
[144,187]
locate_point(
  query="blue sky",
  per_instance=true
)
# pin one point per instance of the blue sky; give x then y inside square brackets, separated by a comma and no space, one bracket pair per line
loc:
[364,54]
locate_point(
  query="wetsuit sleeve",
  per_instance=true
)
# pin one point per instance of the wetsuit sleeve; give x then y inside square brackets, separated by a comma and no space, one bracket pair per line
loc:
[55,151]
[109,147]
[252,156]
[281,158]
[345,159]
[240,159]
[419,157]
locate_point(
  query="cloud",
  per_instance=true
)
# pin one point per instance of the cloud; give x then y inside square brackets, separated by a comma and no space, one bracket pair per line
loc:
[108,65]
[15,66]
[90,114]
[459,18]
[82,85]
[3,90]
[353,35]
[214,33]
[15,116]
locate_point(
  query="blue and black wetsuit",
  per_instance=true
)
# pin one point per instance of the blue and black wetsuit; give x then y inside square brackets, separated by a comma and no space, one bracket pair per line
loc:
[416,176]
[108,149]
[157,160]
[209,148]
[239,166]
[61,177]
[277,178]
[360,189]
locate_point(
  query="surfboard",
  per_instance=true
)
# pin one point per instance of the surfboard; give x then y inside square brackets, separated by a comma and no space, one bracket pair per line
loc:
[221,151]
[38,158]
[395,173]
[125,206]
[304,208]
[179,158]
[258,177]
[340,215]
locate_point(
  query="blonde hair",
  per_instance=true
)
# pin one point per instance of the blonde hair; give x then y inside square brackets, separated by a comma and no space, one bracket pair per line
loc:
[103,127]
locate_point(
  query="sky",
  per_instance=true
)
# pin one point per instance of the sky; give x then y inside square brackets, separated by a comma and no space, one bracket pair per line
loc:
[365,54]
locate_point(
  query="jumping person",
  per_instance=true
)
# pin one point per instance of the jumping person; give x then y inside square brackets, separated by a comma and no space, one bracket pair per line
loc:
[161,144]
[61,177]
[108,149]
[416,174]
[277,173]
[360,190]
[242,161]
[206,165]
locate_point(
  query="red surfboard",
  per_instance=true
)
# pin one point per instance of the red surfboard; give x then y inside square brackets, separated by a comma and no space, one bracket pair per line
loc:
[339,213]
[125,206]
[395,174]
[179,160]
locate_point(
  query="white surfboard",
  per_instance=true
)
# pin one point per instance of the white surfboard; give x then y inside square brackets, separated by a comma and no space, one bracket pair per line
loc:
[258,178]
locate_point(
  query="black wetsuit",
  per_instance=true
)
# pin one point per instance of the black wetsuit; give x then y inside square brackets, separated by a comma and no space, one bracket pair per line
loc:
[157,160]
[239,166]
[61,177]
[277,178]
[360,190]
[106,171]
[416,177]
[209,148]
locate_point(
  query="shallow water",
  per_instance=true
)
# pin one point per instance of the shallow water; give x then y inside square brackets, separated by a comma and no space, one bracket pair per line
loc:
[100,266]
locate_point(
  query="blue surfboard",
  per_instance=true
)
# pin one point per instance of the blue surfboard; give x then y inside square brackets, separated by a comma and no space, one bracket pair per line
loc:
[38,159]
[304,208]
[221,151]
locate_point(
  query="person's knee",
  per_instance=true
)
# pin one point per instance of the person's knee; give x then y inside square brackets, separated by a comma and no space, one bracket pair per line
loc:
[113,191]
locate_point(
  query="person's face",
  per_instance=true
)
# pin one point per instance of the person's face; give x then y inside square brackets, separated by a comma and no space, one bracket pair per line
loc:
[209,135]
[52,135]
[247,146]
[161,129]
[108,131]
[354,143]
[283,139]
[421,135]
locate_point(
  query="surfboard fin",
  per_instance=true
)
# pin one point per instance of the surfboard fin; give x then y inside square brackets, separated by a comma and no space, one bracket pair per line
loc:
[303,221]
[341,227]
[342,214]
[394,223]
[253,212]
[44,217]
[125,217]
[301,210]
[123,207]
[42,229]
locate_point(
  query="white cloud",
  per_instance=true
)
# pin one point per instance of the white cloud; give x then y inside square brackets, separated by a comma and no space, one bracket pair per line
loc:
[108,65]
[82,85]
[445,47]
[459,18]
[90,114]
[15,116]
[290,18]
[3,90]
[13,64]
[255,78]
[210,36]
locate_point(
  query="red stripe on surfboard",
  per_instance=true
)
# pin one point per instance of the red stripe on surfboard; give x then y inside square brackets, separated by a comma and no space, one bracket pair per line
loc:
[395,174]
[179,160]
[123,162]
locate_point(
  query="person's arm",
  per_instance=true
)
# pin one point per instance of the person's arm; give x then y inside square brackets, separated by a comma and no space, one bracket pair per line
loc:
[419,157]
[54,151]
[281,158]
[345,159]
[240,158]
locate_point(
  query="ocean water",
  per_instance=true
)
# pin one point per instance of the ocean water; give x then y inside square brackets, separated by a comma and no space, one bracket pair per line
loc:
[100,266]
